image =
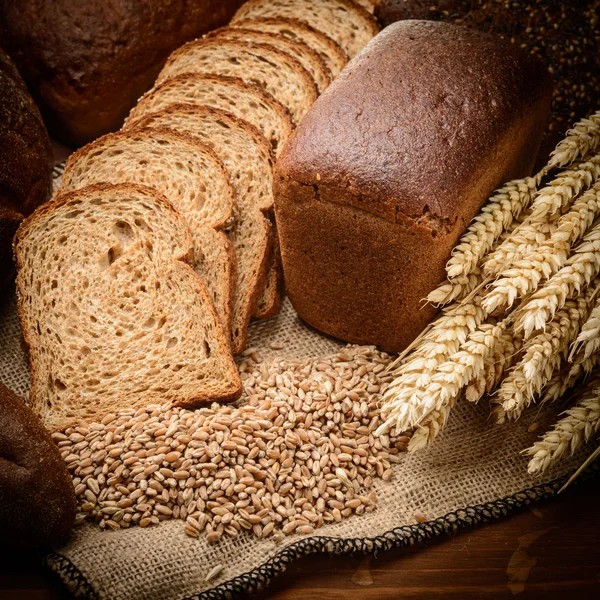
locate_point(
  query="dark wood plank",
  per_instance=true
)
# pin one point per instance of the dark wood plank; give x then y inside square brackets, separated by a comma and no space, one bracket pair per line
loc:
[548,551]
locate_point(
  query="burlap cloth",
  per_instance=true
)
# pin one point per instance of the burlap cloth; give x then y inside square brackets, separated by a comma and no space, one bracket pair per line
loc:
[474,472]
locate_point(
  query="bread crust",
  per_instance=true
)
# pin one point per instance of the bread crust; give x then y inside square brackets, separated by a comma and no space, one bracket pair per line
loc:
[86,89]
[217,81]
[331,52]
[236,48]
[387,169]
[25,159]
[37,499]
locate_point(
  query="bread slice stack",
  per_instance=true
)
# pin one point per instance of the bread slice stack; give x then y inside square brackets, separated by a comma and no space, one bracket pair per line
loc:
[137,283]
[112,315]
[186,172]
[234,140]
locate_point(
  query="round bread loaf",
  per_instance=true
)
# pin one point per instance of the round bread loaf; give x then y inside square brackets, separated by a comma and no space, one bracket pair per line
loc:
[37,500]
[87,63]
[25,160]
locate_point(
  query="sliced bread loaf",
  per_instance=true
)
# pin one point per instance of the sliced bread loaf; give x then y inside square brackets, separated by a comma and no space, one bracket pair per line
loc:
[186,172]
[346,22]
[331,52]
[111,316]
[232,94]
[304,54]
[247,156]
[260,64]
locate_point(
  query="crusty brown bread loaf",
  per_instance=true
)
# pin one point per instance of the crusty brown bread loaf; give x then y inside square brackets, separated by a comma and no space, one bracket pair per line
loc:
[186,172]
[564,35]
[276,72]
[347,22]
[331,52]
[384,173]
[232,94]
[37,499]
[88,62]
[112,316]
[25,159]
[235,142]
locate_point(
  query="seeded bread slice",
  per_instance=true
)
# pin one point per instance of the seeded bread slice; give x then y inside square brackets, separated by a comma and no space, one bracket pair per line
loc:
[331,52]
[346,22]
[247,156]
[232,94]
[186,172]
[260,64]
[304,54]
[111,316]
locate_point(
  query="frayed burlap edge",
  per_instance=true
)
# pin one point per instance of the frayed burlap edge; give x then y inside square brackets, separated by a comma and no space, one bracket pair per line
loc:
[398,537]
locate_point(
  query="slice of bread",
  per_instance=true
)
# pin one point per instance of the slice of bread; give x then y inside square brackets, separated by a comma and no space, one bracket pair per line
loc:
[111,316]
[247,156]
[232,94]
[304,54]
[331,52]
[186,172]
[260,64]
[269,301]
[346,22]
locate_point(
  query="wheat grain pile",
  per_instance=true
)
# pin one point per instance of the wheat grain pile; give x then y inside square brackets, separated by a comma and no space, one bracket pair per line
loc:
[521,316]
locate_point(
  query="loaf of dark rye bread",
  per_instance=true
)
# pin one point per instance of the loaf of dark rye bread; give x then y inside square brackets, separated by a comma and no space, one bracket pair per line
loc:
[389,166]
[565,36]
[88,62]
[25,159]
[37,499]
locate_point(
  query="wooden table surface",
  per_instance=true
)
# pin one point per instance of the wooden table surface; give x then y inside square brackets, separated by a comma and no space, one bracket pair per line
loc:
[551,550]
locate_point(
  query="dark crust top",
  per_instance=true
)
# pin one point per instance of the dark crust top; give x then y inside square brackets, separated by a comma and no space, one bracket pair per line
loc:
[37,500]
[88,62]
[414,122]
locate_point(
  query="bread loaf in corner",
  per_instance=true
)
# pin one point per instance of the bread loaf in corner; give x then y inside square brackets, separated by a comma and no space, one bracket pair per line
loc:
[389,166]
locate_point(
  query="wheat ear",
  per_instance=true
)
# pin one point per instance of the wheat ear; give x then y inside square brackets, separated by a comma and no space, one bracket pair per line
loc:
[495,217]
[558,195]
[588,341]
[582,139]
[542,356]
[567,378]
[525,275]
[426,432]
[579,271]
[525,238]
[456,289]
[578,425]
[504,356]
[450,378]
[402,401]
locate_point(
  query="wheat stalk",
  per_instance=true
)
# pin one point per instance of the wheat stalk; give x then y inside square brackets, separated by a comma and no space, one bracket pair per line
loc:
[448,381]
[566,378]
[456,289]
[542,356]
[582,139]
[403,402]
[495,217]
[525,238]
[558,195]
[588,341]
[578,425]
[428,429]
[579,271]
[525,275]
[505,354]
